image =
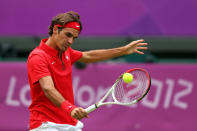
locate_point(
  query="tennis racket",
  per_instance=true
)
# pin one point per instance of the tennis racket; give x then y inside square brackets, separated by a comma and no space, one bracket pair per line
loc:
[126,93]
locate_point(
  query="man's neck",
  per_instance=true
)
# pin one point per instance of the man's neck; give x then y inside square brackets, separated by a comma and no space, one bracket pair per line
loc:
[50,42]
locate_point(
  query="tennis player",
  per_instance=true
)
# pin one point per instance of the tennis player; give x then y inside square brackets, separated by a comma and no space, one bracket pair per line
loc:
[50,74]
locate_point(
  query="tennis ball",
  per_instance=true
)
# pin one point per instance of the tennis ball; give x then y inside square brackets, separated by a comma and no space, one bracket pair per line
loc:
[127,77]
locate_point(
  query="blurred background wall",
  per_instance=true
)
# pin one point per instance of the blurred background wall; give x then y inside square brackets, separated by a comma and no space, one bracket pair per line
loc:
[169,26]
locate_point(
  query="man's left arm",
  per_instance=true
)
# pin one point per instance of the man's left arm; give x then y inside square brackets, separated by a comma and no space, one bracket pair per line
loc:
[104,54]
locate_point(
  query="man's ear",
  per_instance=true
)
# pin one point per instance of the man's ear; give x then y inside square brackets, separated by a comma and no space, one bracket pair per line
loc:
[55,29]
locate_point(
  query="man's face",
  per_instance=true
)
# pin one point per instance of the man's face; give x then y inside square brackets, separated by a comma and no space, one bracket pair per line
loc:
[65,38]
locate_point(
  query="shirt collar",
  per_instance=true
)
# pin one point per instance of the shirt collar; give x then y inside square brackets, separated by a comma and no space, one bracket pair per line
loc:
[48,49]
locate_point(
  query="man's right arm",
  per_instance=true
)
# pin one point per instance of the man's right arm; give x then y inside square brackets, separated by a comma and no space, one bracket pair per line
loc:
[56,98]
[50,92]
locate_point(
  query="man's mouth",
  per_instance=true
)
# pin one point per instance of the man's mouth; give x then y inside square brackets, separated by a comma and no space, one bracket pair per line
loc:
[66,45]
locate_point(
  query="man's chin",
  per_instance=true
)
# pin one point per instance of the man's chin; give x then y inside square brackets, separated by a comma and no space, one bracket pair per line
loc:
[64,49]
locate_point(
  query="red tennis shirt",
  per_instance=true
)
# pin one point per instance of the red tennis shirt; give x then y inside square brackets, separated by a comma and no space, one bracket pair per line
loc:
[44,61]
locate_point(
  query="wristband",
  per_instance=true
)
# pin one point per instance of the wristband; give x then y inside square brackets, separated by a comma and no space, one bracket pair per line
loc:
[67,106]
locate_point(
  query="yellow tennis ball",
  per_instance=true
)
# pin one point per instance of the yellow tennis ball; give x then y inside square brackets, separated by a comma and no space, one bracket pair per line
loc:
[127,77]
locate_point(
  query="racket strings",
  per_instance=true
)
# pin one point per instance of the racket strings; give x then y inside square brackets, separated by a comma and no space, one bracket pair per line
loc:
[143,83]
[119,93]
[126,93]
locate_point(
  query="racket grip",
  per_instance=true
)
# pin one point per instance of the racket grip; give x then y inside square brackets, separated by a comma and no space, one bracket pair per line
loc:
[91,108]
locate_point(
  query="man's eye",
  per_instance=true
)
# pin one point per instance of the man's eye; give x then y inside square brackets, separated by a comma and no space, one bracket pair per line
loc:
[68,35]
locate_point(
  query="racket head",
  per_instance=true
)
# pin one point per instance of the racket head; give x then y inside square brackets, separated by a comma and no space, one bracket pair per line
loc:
[129,93]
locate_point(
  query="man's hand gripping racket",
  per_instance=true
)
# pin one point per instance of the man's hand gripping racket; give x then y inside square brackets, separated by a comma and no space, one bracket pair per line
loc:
[126,93]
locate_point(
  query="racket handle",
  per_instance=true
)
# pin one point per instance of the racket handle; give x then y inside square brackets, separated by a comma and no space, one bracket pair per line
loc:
[91,108]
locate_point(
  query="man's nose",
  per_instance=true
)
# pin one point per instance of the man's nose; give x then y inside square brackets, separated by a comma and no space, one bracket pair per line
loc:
[70,41]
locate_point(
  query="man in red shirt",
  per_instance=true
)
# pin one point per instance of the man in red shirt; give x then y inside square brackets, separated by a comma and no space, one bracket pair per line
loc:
[50,74]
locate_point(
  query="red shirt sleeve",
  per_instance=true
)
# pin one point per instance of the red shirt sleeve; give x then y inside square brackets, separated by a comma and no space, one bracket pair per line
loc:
[37,68]
[74,55]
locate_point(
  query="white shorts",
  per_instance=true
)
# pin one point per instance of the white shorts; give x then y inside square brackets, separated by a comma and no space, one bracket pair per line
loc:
[50,126]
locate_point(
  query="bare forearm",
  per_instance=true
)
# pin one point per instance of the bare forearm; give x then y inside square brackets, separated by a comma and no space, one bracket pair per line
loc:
[102,54]
[54,96]
[50,91]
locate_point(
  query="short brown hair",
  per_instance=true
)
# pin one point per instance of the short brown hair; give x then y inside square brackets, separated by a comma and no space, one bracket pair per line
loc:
[64,18]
